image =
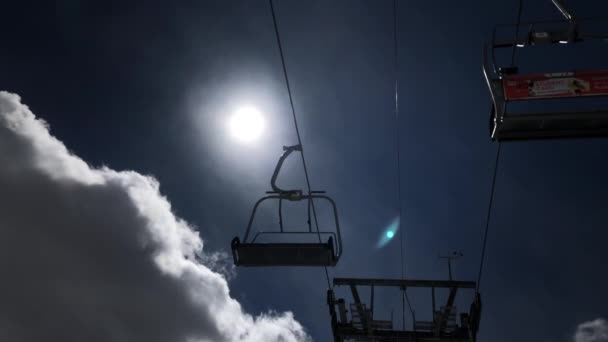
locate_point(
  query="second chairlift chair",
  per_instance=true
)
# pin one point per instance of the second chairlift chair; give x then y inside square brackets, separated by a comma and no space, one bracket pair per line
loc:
[506,85]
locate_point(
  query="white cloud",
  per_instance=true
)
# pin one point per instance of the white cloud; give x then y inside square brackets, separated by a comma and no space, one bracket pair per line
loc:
[592,331]
[97,255]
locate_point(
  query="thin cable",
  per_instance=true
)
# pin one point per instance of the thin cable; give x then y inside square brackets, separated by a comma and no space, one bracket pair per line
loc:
[404,297]
[397,137]
[519,11]
[295,122]
[496,163]
[488,215]
[409,305]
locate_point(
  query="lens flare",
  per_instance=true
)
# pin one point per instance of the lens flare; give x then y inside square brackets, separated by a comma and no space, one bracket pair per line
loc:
[389,233]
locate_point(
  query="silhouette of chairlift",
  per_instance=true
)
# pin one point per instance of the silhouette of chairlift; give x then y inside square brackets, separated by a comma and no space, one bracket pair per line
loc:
[252,253]
[444,326]
[506,85]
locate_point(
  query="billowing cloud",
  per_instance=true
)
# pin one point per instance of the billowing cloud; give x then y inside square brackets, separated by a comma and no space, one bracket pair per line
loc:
[92,254]
[592,331]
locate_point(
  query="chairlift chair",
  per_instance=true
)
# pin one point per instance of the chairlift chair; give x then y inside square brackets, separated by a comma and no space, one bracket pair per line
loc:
[506,85]
[250,252]
[443,326]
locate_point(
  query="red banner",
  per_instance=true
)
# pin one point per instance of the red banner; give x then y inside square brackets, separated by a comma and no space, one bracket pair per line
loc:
[556,85]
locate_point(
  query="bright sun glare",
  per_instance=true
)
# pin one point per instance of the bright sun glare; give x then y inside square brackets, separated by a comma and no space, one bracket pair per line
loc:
[246,124]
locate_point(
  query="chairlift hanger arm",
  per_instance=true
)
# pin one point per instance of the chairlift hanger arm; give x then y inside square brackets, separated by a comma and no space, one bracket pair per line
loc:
[287,151]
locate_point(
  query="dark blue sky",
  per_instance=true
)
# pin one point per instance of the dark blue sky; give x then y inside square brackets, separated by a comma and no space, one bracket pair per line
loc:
[147,85]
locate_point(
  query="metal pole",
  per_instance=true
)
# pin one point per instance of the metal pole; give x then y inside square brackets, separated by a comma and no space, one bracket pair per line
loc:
[434,306]
[450,267]
[454,255]
[563,10]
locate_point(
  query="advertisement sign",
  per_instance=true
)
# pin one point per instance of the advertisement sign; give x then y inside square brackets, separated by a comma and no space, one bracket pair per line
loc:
[556,85]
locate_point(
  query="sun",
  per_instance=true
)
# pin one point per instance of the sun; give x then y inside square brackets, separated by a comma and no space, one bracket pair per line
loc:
[246,124]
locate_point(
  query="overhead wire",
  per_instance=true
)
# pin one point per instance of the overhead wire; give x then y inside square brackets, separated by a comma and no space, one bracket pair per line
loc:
[488,216]
[496,164]
[397,137]
[295,122]
[404,297]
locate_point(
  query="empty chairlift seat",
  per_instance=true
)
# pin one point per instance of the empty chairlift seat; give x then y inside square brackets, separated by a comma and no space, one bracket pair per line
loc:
[506,85]
[284,254]
[319,248]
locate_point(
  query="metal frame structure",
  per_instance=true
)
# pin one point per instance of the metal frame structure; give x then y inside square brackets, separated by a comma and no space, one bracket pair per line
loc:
[505,85]
[363,327]
[249,252]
